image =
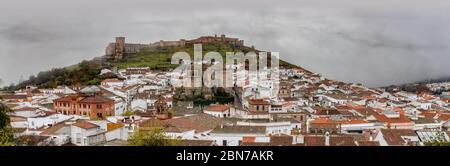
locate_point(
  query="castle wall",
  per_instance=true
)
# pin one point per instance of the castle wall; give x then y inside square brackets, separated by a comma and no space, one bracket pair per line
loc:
[119,49]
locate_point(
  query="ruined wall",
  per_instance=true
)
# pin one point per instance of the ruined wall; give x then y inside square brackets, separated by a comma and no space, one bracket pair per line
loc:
[163,43]
[120,48]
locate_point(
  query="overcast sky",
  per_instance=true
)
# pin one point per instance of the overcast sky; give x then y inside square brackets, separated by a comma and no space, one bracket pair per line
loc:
[376,43]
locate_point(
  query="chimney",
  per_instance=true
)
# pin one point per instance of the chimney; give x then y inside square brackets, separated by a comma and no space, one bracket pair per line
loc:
[327,139]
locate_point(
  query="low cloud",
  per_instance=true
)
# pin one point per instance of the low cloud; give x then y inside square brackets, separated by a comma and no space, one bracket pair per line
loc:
[374,43]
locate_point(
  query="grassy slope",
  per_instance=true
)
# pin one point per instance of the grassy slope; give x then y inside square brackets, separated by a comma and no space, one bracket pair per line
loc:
[155,58]
[159,58]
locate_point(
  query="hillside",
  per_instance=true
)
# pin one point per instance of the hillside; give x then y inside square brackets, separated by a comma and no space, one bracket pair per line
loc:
[159,58]
[87,72]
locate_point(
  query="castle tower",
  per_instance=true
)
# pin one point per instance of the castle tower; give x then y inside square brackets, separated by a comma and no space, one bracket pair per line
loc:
[120,48]
[182,42]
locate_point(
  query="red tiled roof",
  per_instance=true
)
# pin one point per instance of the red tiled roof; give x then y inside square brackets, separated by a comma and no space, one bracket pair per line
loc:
[401,119]
[258,102]
[335,140]
[85,125]
[446,100]
[343,107]
[67,98]
[248,139]
[378,110]
[199,123]
[444,117]
[394,136]
[368,143]
[383,100]
[323,123]
[218,108]
[113,126]
[429,114]
[96,99]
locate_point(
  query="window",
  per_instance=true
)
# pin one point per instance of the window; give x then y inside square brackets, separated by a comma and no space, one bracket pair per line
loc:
[224,142]
[78,138]
[99,106]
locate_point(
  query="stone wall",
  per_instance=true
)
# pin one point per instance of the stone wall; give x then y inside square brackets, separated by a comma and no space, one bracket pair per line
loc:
[119,49]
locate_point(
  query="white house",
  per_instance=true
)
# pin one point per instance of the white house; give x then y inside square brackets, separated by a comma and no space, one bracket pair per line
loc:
[60,133]
[273,127]
[422,104]
[84,133]
[220,111]
[334,99]
[112,83]
[119,105]
[139,104]
[38,122]
[28,112]
[235,135]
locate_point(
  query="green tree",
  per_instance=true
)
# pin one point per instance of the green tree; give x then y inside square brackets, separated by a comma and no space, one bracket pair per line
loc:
[151,136]
[6,132]
[438,140]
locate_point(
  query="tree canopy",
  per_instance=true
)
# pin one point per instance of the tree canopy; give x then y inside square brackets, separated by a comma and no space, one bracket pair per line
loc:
[84,73]
[151,136]
[6,132]
[439,140]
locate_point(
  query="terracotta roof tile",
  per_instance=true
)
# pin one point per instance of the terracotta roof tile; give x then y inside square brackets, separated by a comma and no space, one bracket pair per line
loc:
[113,126]
[368,143]
[258,102]
[96,99]
[85,124]
[218,108]
[394,136]
[444,116]
[401,119]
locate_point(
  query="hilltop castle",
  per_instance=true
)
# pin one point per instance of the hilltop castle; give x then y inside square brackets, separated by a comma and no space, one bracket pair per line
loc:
[120,48]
